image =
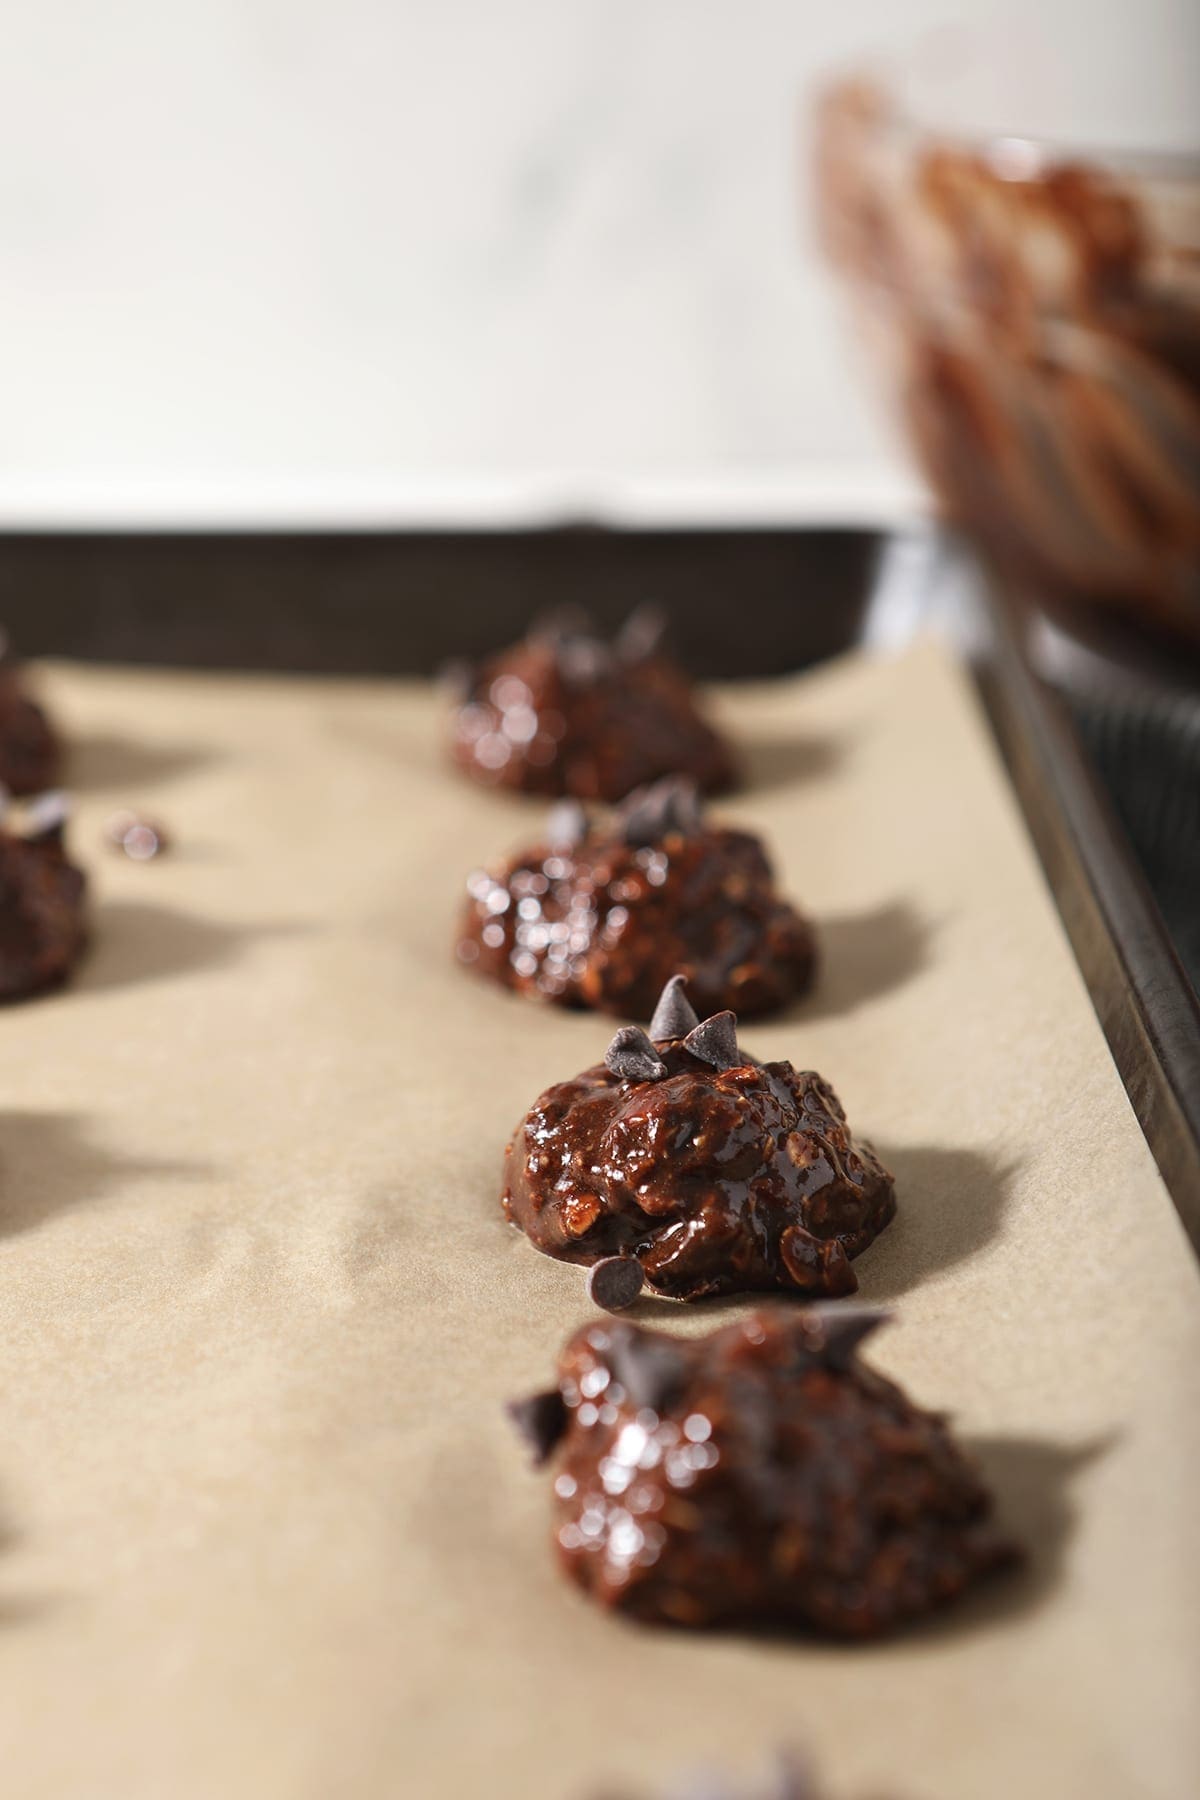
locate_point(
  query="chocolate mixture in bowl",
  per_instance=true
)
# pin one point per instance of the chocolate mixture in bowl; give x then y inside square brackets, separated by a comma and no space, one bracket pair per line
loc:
[601,913]
[718,1173]
[564,712]
[1037,321]
[761,1474]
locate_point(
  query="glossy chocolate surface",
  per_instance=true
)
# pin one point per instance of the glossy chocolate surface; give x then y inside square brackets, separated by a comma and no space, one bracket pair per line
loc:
[564,713]
[718,1179]
[42,927]
[760,1474]
[603,922]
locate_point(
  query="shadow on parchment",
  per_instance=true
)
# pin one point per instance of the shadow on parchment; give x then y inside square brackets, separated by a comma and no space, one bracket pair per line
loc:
[100,762]
[21,1608]
[949,1205]
[774,759]
[862,956]
[133,941]
[18,1609]
[50,1164]
[1031,1480]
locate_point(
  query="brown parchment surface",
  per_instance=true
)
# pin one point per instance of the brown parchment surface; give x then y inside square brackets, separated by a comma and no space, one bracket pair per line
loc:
[265,1531]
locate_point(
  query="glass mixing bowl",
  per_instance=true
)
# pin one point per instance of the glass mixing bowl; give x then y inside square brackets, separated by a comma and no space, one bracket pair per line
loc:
[1037,318]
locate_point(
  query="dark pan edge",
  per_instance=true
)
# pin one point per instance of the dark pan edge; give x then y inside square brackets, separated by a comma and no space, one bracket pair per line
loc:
[401,602]
[1143,999]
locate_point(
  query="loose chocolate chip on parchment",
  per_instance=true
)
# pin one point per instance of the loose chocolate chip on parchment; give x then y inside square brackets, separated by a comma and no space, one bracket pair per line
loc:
[140,839]
[715,1041]
[633,1057]
[541,1420]
[615,1282]
[674,1016]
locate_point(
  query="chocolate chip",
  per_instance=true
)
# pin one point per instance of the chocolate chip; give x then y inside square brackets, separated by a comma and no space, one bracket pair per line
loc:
[633,1057]
[650,813]
[615,1283]
[559,623]
[841,1329]
[642,634]
[46,817]
[541,1420]
[141,839]
[583,660]
[688,815]
[715,1041]
[648,1366]
[581,656]
[456,678]
[674,1016]
[566,825]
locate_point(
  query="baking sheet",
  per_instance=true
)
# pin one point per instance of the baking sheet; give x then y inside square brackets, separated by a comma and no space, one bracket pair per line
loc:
[266,1532]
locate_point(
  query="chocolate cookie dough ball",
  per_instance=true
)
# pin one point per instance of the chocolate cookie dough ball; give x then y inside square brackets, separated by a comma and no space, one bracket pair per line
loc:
[720,1174]
[29,749]
[566,713]
[759,1475]
[602,913]
[41,902]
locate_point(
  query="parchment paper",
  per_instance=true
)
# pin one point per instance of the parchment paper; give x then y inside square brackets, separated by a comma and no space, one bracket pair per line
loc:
[267,1532]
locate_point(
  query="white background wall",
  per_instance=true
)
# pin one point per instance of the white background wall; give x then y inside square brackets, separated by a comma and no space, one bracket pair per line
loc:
[258,255]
